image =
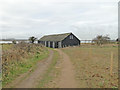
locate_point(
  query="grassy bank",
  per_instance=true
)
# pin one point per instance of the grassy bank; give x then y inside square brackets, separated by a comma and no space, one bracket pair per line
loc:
[92,65]
[51,73]
[20,58]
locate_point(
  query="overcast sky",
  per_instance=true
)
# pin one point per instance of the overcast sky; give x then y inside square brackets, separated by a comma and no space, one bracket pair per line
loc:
[85,18]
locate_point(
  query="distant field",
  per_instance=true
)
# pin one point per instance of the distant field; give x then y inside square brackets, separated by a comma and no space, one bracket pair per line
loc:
[92,65]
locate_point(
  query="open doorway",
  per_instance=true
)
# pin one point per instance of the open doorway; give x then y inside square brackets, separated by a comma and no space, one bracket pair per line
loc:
[56,44]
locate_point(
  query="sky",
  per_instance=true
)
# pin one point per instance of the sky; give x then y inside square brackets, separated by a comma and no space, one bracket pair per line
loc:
[86,19]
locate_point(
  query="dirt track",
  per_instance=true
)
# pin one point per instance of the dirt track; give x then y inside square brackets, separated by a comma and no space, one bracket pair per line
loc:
[33,79]
[67,77]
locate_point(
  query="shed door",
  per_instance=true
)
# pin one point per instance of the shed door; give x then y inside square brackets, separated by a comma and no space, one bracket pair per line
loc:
[56,44]
[46,43]
[51,44]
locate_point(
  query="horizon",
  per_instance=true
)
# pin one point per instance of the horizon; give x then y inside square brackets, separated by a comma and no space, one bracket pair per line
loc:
[51,34]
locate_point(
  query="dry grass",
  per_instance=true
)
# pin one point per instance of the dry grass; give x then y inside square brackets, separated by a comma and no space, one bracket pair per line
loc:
[19,58]
[92,65]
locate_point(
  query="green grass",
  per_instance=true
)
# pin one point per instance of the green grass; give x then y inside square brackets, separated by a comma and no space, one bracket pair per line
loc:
[18,68]
[49,75]
[6,46]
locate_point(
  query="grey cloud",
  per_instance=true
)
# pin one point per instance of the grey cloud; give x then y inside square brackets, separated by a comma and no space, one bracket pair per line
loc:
[25,18]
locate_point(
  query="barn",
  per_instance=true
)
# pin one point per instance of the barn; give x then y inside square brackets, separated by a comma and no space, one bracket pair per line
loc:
[59,40]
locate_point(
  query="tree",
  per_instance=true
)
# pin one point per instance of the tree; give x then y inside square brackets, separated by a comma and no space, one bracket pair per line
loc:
[14,41]
[32,39]
[100,39]
[117,39]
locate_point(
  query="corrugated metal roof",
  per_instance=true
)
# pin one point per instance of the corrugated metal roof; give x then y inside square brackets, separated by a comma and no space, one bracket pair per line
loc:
[55,37]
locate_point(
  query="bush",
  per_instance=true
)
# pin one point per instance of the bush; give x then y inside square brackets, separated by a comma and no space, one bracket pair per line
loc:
[16,54]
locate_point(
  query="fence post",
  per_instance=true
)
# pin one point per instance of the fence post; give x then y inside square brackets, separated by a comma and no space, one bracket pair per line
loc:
[111,63]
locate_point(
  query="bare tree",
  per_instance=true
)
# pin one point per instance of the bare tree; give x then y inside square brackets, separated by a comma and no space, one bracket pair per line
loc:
[100,39]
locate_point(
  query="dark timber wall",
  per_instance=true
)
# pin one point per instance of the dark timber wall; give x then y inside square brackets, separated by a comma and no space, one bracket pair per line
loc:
[70,42]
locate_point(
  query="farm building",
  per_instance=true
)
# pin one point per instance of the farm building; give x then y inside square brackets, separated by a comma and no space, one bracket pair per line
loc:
[59,40]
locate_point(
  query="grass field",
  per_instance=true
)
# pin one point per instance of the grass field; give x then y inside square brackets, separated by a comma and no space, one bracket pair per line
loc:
[92,65]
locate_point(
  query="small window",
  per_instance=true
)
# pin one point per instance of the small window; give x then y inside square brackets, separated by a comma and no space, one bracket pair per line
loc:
[71,37]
